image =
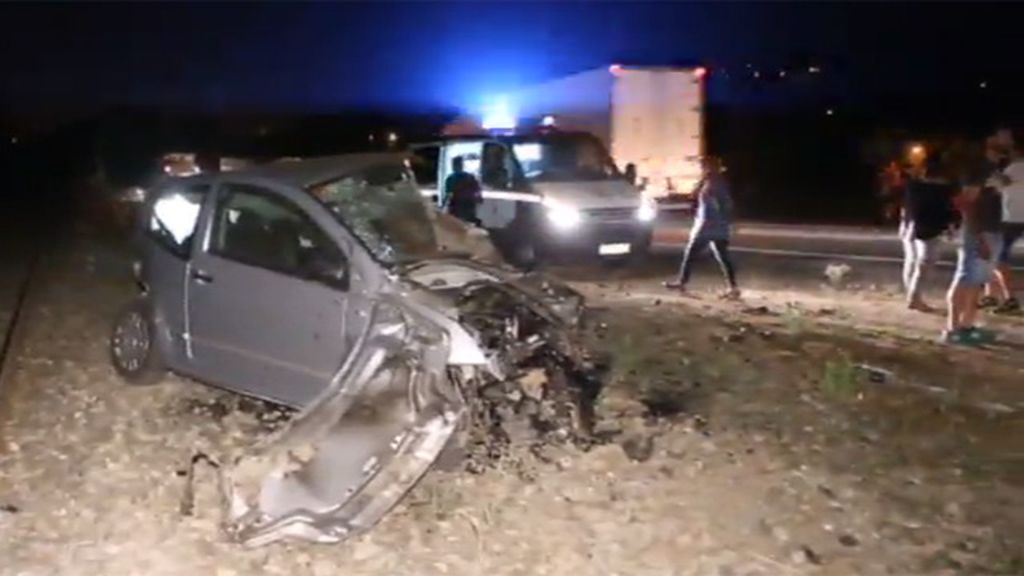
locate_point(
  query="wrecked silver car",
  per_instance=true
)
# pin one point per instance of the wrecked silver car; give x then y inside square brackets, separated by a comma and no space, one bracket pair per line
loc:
[321,285]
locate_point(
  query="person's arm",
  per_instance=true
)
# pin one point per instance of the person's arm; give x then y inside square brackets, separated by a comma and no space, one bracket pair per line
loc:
[972,227]
[478,192]
[725,201]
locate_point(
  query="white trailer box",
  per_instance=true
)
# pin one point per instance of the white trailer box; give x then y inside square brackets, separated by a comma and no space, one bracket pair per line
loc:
[646,116]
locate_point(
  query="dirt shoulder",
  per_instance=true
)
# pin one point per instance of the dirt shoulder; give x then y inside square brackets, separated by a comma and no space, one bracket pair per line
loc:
[741,441]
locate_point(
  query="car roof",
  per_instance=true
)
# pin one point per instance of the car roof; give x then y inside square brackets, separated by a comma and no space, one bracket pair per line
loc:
[304,173]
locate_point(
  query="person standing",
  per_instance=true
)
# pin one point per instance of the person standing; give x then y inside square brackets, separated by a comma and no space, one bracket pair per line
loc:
[462,193]
[1011,190]
[711,227]
[927,213]
[979,239]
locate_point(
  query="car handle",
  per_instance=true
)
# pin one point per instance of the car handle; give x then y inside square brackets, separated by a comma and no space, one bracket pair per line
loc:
[202,277]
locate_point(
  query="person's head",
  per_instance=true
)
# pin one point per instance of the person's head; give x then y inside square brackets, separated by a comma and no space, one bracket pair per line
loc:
[458,165]
[711,165]
[933,166]
[630,173]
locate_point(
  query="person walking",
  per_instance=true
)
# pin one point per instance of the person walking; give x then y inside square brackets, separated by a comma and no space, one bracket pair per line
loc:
[711,227]
[927,213]
[462,193]
[979,239]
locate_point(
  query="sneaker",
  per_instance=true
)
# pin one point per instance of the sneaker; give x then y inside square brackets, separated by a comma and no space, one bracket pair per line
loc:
[674,285]
[979,335]
[958,337]
[920,306]
[1011,306]
[731,294]
[988,302]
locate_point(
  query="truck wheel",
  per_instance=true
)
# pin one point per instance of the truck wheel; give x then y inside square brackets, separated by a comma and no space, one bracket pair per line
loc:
[133,350]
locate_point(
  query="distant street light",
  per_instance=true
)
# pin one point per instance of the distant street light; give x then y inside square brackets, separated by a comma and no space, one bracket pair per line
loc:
[983,84]
[917,150]
[830,112]
[813,69]
[392,137]
[14,139]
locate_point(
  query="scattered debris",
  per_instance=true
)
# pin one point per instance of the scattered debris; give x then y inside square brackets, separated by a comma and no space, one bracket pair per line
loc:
[639,448]
[837,273]
[811,556]
[849,540]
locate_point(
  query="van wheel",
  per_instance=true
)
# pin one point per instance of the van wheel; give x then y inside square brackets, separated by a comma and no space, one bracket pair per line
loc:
[133,349]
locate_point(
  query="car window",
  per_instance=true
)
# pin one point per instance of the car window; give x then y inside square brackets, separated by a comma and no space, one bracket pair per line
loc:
[382,208]
[495,168]
[259,228]
[173,217]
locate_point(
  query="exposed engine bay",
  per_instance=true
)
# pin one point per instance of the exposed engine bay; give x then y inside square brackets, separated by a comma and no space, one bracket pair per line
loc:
[461,359]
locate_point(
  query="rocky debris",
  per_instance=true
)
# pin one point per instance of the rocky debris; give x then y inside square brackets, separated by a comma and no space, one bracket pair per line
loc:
[849,540]
[638,448]
[837,274]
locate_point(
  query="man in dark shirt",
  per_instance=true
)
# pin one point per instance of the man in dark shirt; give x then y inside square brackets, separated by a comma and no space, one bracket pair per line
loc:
[462,193]
[928,212]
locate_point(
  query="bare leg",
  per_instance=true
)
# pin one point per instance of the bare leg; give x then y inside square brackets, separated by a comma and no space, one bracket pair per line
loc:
[1001,283]
[954,306]
[909,254]
[969,306]
[693,248]
[924,260]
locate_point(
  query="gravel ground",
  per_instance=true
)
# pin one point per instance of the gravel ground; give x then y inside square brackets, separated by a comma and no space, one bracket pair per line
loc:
[742,447]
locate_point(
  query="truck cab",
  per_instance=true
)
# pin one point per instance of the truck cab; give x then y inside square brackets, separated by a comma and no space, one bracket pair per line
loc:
[546,193]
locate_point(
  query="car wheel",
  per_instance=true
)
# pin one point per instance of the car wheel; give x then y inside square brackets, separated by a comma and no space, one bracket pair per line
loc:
[133,348]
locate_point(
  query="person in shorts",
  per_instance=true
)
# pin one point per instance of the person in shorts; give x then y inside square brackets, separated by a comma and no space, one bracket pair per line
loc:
[1011,189]
[980,238]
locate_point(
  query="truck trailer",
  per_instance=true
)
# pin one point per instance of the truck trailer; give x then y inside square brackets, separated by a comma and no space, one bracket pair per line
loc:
[650,117]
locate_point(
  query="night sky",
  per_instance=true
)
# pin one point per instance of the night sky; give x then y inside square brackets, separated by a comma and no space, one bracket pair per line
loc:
[423,55]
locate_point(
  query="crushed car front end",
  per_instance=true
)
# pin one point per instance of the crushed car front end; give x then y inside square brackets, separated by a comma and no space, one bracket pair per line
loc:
[455,356]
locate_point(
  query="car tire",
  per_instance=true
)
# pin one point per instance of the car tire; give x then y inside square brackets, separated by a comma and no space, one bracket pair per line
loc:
[134,352]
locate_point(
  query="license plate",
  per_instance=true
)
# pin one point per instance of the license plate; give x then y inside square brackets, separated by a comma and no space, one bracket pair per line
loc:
[613,249]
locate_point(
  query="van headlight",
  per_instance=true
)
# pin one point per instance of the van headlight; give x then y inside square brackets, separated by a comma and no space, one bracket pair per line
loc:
[562,216]
[647,211]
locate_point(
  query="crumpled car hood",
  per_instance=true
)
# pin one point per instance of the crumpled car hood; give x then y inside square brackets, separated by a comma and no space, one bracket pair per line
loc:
[341,464]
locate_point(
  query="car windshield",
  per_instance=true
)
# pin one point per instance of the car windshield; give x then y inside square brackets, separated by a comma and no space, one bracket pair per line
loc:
[383,208]
[565,159]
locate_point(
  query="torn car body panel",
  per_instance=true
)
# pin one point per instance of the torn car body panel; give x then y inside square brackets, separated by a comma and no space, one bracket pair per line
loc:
[344,462]
[352,455]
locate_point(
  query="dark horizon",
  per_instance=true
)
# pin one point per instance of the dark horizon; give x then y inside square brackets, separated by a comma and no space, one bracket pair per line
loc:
[216,57]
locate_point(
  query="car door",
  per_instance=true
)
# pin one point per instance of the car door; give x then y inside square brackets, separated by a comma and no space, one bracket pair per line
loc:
[267,295]
[169,227]
[425,163]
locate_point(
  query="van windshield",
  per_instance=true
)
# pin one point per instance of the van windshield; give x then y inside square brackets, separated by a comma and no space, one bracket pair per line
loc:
[383,208]
[564,158]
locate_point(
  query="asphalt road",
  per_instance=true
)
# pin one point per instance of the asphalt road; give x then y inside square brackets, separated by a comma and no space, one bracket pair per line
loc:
[789,257]
[849,244]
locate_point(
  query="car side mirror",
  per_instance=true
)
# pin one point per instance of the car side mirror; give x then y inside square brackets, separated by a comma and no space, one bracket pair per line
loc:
[330,271]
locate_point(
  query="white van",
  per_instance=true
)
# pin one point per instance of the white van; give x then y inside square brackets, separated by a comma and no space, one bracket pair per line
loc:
[545,193]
